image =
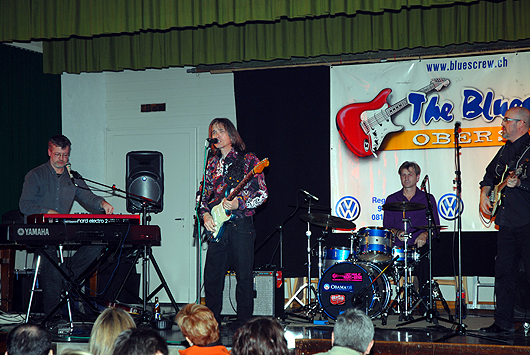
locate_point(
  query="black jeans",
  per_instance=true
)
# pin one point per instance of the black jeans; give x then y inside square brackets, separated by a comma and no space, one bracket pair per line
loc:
[513,246]
[235,249]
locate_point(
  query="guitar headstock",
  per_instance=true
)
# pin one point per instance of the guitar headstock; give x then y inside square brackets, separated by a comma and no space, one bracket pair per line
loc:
[258,168]
[440,83]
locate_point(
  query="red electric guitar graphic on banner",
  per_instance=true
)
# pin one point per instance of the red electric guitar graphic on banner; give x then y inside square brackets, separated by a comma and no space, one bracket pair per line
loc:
[363,126]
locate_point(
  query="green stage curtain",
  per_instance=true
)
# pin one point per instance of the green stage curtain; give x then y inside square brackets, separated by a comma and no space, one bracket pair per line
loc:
[24,20]
[479,22]
[30,113]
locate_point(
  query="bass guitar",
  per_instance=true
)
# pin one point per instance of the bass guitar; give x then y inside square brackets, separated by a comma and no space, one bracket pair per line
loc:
[496,193]
[219,214]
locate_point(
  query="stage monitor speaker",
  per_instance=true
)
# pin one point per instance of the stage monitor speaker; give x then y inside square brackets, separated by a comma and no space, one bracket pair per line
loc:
[268,294]
[145,178]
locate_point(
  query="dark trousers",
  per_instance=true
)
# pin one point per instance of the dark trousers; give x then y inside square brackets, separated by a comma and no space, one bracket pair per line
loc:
[52,282]
[235,249]
[513,246]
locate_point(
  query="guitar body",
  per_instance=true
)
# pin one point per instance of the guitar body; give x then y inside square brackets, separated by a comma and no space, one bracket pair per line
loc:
[220,216]
[496,193]
[363,126]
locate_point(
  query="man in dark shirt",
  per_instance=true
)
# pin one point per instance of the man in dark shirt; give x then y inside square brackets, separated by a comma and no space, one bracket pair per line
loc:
[409,174]
[512,217]
[49,189]
[235,249]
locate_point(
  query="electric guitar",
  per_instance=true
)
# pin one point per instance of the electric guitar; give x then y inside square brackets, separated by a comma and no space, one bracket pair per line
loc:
[496,193]
[363,126]
[219,214]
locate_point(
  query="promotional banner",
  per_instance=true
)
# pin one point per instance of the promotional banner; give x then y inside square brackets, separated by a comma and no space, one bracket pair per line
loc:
[386,113]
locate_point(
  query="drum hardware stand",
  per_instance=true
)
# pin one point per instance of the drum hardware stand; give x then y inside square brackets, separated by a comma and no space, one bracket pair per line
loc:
[308,285]
[431,315]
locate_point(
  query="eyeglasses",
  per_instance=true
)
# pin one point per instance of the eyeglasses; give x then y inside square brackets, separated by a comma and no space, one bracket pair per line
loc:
[506,119]
[58,155]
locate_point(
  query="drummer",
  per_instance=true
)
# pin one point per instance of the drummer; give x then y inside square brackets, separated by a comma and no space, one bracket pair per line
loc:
[409,173]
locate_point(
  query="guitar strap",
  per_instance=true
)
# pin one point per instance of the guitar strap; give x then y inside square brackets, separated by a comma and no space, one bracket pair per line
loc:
[513,163]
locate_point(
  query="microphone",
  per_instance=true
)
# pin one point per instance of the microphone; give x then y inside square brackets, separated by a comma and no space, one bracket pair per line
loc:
[67,166]
[212,140]
[309,195]
[424,182]
[457,126]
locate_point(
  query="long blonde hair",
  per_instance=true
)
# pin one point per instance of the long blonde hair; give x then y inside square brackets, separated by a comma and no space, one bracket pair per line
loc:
[109,324]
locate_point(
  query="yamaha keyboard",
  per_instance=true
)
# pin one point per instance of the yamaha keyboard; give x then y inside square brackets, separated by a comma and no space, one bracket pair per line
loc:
[54,218]
[79,234]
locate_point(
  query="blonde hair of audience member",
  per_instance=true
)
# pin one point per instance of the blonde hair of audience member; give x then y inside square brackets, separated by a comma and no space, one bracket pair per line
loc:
[109,324]
[74,352]
[198,324]
[260,336]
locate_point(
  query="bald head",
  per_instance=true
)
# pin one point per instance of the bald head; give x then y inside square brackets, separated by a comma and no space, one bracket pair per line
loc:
[515,123]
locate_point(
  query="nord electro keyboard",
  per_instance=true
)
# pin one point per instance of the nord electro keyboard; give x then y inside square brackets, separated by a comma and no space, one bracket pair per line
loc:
[53,218]
[79,233]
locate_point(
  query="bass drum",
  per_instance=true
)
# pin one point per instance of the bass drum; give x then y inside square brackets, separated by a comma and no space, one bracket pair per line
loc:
[348,285]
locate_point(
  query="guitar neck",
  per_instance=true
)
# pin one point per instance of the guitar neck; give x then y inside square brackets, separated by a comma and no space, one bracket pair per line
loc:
[401,104]
[239,187]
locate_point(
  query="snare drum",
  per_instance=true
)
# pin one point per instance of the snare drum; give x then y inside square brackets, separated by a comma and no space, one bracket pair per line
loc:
[413,255]
[335,255]
[375,244]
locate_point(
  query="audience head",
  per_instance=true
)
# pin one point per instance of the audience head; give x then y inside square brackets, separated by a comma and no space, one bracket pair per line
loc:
[198,324]
[109,324]
[260,336]
[355,330]
[74,352]
[140,341]
[29,339]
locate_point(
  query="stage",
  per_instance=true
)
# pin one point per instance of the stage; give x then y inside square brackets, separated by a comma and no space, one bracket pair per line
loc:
[305,337]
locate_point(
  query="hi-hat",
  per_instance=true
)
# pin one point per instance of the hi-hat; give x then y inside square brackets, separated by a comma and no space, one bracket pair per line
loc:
[427,227]
[404,206]
[327,221]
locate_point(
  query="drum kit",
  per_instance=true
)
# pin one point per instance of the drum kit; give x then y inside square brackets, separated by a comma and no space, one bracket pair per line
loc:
[361,275]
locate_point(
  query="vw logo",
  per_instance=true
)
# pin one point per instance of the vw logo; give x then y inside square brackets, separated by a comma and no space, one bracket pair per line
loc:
[348,208]
[448,207]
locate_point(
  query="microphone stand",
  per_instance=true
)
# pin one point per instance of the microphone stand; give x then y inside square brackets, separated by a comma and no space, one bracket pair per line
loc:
[460,327]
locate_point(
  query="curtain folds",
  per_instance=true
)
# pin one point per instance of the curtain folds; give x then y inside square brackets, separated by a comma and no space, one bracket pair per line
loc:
[25,20]
[410,27]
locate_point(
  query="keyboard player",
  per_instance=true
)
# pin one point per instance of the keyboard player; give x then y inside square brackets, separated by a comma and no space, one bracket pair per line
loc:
[49,189]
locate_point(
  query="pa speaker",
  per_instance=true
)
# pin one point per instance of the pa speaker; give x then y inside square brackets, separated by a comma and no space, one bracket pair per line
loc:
[268,294]
[144,181]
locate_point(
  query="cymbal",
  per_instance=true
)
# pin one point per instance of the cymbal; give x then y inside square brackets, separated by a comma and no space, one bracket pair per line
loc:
[327,221]
[313,207]
[404,206]
[433,227]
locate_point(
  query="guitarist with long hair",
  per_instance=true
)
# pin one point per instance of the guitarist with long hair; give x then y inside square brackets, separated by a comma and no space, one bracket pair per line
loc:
[232,229]
[512,217]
